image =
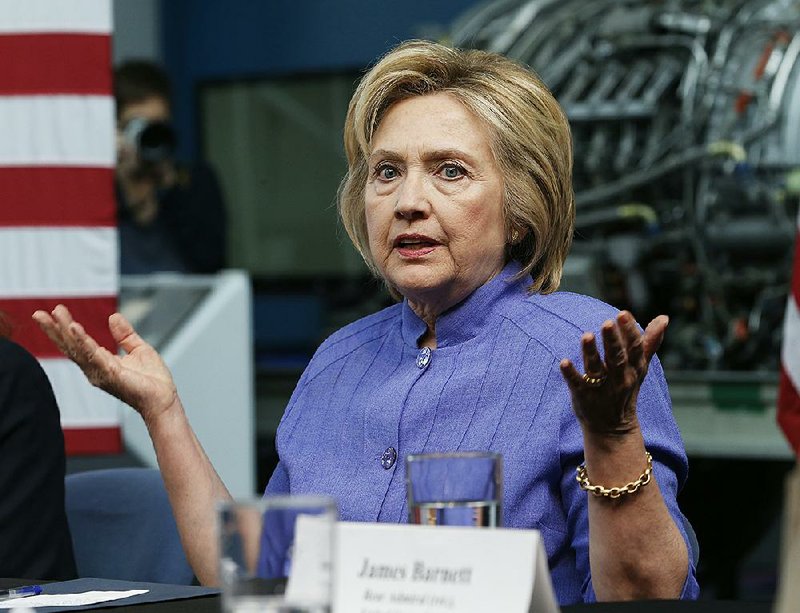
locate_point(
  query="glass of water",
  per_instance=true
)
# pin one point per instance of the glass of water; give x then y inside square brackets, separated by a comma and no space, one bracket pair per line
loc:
[455,489]
[275,554]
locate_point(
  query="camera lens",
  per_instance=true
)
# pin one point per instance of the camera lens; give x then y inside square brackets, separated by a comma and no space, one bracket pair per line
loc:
[154,140]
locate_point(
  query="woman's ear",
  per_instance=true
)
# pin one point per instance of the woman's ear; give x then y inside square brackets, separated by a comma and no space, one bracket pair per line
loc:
[516,235]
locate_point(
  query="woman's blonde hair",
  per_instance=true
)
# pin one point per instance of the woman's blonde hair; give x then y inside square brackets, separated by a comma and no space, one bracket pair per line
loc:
[531,142]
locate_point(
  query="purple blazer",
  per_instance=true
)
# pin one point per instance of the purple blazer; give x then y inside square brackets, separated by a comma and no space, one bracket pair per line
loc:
[370,396]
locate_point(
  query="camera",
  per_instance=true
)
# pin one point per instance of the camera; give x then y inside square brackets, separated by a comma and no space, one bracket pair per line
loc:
[154,141]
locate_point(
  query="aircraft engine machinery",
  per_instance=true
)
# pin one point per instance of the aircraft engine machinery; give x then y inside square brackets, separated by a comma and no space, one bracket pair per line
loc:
[686,125]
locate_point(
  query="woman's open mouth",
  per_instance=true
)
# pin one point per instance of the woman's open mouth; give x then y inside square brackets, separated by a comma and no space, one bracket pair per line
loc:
[414,245]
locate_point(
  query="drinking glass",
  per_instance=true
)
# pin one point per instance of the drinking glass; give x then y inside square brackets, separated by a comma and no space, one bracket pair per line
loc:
[455,489]
[275,554]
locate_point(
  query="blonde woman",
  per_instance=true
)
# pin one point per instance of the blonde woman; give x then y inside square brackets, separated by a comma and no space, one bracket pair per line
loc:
[458,195]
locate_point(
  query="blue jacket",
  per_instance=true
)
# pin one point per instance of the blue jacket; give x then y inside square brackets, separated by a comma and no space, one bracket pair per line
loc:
[492,383]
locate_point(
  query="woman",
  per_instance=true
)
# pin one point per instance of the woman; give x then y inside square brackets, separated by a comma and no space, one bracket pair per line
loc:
[35,542]
[458,194]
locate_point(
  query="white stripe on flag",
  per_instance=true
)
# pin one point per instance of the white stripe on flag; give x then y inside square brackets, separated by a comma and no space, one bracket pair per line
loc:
[81,404]
[27,16]
[57,131]
[790,350]
[58,262]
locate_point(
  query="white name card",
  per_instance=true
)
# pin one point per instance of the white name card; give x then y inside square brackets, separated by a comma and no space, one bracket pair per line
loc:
[390,568]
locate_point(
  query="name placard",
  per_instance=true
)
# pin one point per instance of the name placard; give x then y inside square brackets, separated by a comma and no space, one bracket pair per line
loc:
[390,568]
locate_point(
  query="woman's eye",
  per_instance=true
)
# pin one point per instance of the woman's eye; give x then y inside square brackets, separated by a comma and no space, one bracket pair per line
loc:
[387,173]
[452,171]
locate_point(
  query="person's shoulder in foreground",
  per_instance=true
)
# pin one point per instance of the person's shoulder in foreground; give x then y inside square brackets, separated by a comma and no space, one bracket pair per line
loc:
[35,542]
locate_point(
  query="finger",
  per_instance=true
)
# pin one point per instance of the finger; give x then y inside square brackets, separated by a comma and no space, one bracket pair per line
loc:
[123,333]
[85,347]
[41,317]
[62,316]
[616,356]
[631,338]
[570,374]
[70,343]
[95,361]
[44,319]
[592,362]
[50,328]
[654,335]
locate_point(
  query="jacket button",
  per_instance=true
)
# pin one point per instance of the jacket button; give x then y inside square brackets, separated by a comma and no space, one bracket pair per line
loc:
[388,458]
[423,357]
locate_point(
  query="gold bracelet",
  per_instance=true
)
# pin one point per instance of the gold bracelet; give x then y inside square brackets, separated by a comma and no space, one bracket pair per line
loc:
[615,492]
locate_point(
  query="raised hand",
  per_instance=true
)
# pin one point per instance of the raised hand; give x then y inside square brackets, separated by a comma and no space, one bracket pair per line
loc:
[139,378]
[604,397]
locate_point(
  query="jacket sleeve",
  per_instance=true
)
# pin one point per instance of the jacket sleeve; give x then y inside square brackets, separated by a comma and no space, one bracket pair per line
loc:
[35,542]
[663,440]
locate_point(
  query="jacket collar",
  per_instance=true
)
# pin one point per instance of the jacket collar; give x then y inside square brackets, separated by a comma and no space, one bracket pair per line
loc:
[468,318]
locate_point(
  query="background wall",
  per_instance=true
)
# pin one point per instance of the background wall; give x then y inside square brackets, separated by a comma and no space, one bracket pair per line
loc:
[260,90]
[211,40]
[137,31]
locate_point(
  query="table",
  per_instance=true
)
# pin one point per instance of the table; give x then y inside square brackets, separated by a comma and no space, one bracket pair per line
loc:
[672,606]
[211,604]
[204,604]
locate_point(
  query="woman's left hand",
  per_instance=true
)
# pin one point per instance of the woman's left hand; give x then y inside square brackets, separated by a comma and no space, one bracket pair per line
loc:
[604,397]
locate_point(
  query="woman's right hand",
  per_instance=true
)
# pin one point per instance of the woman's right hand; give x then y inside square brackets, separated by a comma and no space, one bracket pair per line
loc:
[139,378]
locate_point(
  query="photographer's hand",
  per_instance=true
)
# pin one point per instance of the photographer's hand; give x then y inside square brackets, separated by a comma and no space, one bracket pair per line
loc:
[141,184]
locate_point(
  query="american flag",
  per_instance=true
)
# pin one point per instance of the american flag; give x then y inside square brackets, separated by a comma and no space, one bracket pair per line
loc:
[788,396]
[58,236]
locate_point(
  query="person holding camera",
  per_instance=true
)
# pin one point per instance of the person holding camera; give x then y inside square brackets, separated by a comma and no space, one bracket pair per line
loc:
[171,217]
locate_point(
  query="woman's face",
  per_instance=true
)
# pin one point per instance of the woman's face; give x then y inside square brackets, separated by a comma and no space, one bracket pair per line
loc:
[434,202]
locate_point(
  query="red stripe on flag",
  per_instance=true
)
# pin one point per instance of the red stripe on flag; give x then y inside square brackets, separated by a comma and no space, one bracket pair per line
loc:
[92,441]
[55,64]
[92,312]
[789,411]
[57,196]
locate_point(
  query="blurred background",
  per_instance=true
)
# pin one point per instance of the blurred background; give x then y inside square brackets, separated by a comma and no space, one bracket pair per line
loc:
[685,116]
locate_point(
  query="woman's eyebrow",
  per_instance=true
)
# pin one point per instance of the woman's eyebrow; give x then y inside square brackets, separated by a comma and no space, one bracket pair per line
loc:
[385,154]
[427,155]
[437,155]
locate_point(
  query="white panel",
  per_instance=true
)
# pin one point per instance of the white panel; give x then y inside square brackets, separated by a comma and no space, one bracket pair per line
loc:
[790,350]
[210,359]
[58,262]
[57,131]
[55,16]
[709,432]
[82,405]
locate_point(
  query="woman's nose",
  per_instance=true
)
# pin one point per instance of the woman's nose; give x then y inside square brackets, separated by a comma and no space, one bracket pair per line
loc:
[412,198]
